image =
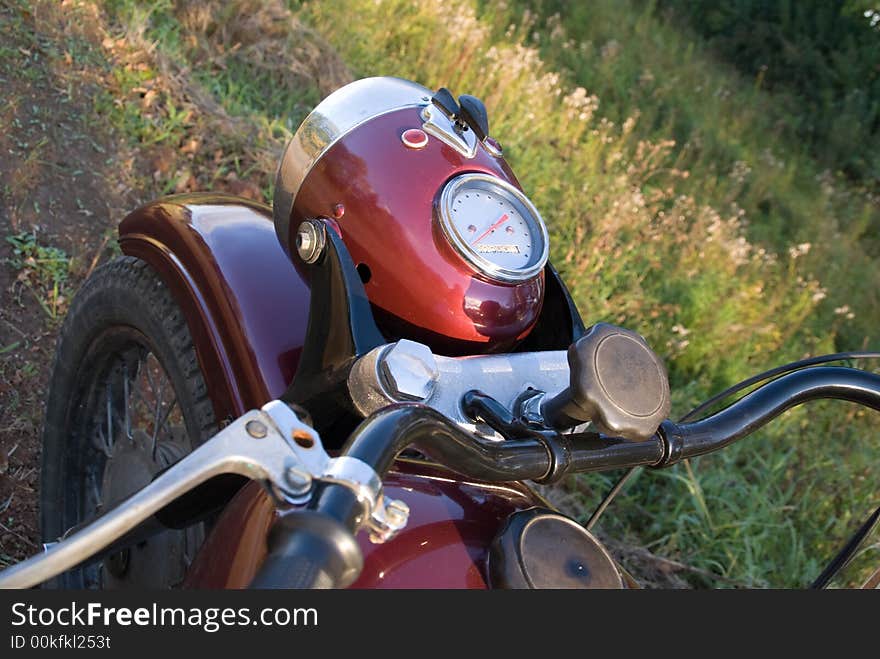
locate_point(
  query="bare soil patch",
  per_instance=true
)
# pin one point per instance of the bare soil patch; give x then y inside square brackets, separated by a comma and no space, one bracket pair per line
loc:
[59,182]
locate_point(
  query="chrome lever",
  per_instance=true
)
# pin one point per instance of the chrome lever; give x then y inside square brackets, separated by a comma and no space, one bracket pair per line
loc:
[271,445]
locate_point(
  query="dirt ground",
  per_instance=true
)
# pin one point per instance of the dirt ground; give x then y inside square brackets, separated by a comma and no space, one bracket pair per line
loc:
[67,178]
[63,180]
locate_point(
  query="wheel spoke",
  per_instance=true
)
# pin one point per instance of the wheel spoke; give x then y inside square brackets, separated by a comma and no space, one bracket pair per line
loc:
[164,421]
[156,418]
[103,444]
[125,396]
[132,403]
[109,440]
[96,493]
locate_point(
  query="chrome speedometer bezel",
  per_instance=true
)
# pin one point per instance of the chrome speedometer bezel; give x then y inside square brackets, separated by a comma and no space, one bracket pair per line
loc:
[471,257]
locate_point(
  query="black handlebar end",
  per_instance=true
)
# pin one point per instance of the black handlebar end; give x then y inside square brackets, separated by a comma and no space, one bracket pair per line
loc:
[309,550]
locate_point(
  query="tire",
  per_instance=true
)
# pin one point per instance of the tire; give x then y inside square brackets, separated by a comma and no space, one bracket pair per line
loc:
[109,424]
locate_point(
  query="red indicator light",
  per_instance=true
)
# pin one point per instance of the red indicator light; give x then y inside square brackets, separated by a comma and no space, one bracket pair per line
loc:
[415,138]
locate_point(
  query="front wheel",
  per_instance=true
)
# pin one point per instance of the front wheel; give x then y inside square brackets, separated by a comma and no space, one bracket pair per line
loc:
[127,398]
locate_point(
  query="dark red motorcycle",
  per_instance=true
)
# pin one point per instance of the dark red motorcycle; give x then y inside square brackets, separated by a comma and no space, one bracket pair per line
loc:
[370,416]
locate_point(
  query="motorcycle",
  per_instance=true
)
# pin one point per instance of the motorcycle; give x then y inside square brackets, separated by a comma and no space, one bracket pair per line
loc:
[355,386]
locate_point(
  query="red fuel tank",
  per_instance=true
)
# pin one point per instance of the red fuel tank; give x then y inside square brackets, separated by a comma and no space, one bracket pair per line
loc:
[444,545]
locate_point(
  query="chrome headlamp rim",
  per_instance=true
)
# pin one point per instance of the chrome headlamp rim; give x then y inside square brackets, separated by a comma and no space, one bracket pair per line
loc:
[461,246]
[332,119]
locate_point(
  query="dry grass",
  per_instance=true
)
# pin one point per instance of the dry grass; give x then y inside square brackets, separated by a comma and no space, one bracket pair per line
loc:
[164,77]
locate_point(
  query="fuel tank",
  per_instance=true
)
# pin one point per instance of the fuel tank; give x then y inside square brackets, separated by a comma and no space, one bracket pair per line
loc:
[247,310]
[444,545]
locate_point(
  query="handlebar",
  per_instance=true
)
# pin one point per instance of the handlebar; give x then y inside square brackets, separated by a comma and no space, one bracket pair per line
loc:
[758,408]
[378,441]
[309,550]
[320,540]
[547,455]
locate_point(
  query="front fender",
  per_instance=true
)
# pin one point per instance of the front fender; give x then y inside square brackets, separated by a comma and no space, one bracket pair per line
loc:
[245,304]
[247,310]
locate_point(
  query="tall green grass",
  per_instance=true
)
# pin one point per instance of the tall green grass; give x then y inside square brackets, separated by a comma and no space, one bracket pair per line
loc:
[733,138]
[819,59]
[674,209]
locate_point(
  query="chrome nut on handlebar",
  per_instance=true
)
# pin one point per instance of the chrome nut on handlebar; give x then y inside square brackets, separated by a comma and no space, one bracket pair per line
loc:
[383,517]
[389,517]
[409,370]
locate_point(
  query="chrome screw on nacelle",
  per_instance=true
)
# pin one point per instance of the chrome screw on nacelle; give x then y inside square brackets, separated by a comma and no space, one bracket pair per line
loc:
[310,241]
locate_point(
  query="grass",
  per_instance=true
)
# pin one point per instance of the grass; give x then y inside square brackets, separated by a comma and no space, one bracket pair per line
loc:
[675,204]
[730,135]
[228,102]
[43,271]
[674,209]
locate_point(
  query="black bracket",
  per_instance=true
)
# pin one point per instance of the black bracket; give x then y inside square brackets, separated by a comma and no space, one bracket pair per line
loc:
[341,329]
[559,324]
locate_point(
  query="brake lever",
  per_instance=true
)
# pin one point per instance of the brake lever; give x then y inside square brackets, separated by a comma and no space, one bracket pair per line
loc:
[271,445]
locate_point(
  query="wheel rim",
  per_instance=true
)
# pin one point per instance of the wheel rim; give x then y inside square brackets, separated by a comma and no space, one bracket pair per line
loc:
[129,425]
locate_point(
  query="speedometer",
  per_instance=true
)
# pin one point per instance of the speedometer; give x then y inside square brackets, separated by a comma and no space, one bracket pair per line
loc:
[494,227]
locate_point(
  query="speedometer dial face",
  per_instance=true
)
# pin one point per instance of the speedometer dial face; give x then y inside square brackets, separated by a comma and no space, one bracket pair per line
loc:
[493,227]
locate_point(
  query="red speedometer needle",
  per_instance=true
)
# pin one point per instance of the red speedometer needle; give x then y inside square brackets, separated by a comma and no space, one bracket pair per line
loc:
[501,220]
